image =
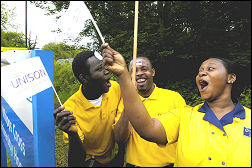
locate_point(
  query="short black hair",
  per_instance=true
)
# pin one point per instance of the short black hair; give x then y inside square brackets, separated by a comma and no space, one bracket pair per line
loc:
[234,68]
[80,65]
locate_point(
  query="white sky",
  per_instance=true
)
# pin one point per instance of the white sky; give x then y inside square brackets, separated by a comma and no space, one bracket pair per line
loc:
[40,25]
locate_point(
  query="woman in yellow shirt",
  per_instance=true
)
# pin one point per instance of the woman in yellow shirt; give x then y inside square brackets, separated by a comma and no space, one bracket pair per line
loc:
[216,133]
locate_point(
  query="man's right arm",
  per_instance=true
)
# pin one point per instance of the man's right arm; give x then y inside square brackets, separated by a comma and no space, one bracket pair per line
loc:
[65,122]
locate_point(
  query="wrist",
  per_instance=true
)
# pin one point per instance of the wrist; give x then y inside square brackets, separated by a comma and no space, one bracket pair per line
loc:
[123,74]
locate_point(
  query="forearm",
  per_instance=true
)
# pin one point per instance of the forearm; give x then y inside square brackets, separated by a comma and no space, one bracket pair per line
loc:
[134,108]
[121,129]
[76,152]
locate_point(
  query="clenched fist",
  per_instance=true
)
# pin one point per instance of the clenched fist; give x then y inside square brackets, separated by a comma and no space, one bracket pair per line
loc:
[113,60]
[64,120]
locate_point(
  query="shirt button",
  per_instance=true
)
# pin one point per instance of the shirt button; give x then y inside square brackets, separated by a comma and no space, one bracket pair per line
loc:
[224,134]
[209,158]
[223,163]
[212,132]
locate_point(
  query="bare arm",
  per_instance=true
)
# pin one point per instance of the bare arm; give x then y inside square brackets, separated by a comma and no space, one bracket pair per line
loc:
[147,128]
[121,129]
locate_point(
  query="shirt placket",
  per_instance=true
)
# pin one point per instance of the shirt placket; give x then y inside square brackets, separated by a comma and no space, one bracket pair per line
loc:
[216,136]
[225,152]
[104,107]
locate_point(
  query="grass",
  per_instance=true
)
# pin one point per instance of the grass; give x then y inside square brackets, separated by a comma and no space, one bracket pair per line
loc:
[61,150]
[8,161]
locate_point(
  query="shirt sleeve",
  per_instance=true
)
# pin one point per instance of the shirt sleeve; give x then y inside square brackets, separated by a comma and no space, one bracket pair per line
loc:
[171,123]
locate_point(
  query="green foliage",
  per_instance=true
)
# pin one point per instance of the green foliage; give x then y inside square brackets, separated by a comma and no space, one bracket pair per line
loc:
[175,35]
[52,7]
[9,164]
[7,16]
[61,150]
[245,97]
[114,78]
[62,50]
[12,39]
[187,89]
[65,82]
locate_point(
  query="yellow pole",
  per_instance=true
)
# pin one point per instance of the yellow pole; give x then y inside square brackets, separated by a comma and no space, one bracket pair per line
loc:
[135,43]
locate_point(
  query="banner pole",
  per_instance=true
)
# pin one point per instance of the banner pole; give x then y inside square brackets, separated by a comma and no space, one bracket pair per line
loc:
[56,94]
[135,43]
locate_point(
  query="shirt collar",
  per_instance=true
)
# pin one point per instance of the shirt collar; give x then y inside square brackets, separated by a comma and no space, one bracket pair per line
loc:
[86,103]
[209,116]
[154,94]
[238,111]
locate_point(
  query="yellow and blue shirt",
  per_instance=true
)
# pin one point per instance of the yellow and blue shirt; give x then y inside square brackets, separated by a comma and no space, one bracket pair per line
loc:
[94,123]
[204,140]
[143,153]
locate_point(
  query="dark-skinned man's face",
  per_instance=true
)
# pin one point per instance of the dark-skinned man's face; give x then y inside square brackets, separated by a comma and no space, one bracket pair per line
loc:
[144,74]
[99,76]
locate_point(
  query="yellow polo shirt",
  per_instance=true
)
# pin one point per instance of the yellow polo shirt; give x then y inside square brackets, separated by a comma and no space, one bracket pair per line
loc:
[204,140]
[143,153]
[94,123]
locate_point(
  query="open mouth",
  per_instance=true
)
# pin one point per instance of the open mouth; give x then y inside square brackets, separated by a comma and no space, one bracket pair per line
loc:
[141,81]
[203,85]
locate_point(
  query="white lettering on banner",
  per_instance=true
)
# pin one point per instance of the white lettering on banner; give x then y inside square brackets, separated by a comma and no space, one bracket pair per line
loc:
[7,139]
[7,120]
[19,140]
[16,158]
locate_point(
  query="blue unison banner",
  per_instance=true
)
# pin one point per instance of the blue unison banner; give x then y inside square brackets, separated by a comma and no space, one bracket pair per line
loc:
[27,125]
[16,137]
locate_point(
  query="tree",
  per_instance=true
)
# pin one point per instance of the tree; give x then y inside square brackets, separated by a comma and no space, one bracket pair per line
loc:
[7,16]
[65,82]
[175,35]
[12,39]
[52,7]
[31,43]
[62,50]
[9,38]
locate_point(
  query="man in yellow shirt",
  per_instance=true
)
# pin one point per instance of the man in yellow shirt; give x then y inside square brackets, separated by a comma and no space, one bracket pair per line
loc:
[140,152]
[88,115]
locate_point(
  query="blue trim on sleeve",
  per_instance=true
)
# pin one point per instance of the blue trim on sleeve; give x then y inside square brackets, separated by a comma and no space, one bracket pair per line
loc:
[209,116]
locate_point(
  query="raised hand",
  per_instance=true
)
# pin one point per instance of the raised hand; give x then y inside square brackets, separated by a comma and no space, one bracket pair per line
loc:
[64,120]
[113,60]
